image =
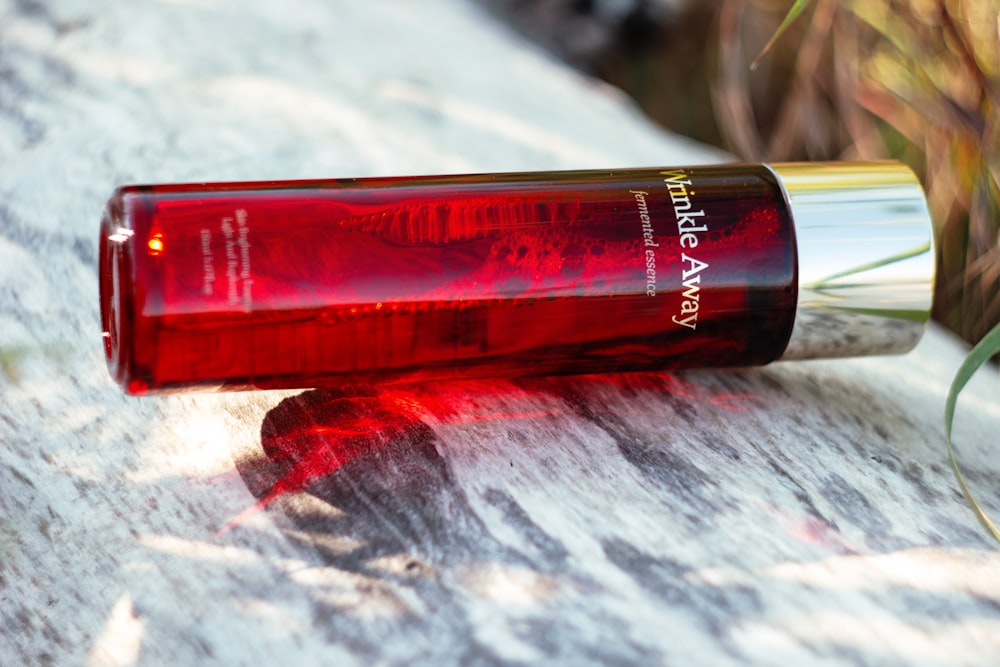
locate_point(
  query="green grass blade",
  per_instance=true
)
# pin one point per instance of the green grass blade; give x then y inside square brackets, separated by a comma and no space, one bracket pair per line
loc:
[790,17]
[906,254]
[980,354]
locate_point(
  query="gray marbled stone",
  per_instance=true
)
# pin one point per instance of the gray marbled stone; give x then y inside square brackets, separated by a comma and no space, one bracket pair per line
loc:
[799,514]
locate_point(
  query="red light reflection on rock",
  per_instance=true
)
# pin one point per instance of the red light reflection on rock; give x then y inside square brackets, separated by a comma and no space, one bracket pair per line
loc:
[314,434]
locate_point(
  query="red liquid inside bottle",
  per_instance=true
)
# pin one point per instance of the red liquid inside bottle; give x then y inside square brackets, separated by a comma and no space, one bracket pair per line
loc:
[304,284]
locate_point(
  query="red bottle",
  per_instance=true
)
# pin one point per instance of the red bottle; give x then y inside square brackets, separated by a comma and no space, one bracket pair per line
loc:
[311,283]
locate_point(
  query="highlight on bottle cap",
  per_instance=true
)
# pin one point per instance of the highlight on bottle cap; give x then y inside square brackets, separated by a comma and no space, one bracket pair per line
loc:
[865,258]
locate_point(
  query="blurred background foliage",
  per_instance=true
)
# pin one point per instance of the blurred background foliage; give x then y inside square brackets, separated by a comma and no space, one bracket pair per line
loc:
[914,80]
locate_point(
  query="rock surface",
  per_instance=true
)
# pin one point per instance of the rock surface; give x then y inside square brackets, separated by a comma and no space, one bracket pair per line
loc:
[802,513]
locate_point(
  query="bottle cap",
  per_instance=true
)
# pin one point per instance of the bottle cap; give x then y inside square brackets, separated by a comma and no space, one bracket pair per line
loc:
[865,258]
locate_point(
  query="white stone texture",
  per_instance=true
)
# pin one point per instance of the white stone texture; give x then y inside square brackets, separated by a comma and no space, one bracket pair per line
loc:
[798,514]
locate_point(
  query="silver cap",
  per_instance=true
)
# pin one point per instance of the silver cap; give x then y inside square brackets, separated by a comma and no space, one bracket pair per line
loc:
[865,257]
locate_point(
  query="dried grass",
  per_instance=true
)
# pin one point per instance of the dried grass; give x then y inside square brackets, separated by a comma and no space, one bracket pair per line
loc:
[916,80]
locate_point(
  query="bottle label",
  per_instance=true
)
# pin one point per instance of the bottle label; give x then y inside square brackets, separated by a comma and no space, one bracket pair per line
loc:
[230,239]
[691,224]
